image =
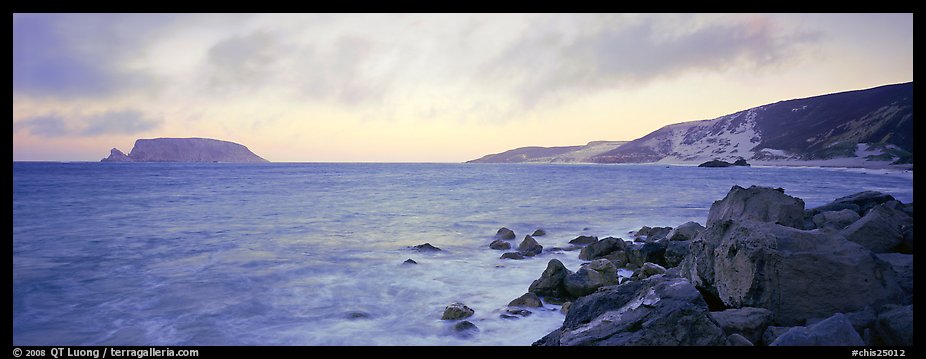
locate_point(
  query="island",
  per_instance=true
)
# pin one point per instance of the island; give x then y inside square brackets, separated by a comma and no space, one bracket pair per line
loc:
[184,150]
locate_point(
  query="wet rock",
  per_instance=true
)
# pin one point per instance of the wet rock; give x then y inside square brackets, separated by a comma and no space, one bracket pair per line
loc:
[512,255]
[738,340]
[653,252]
[859,202]
[655,311]
[772,333]
[676,251]
[601,248]
[565,308]
[880,230]
[357,314]
[504,233]
[457,311]
[761,204]
[685,232]
[427,247]
[526,300]
[518,312]
[833,331]
[583,240]
[648,270]
[539,232]
[902,264]
[550,283]
[465,329]
[529,247]
[895,326]
[749,322]
[589,278]
[835,219]
[617,258]
[409,261]
[794,273]
[499,244]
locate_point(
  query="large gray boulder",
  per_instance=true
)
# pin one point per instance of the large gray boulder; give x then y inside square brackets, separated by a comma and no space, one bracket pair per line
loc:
[836,330]
[655,311]
[550,283]
[748,321]
[895,326]
[761,204]
[859,202]
[881,229]
[601,248]
[902,264]
[794,273]
[675,253]
[653,252]
[590,277]
[529,247]
[685,232]
[835,219]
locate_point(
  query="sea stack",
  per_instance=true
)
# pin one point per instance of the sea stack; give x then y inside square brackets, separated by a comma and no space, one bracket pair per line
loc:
[184,150]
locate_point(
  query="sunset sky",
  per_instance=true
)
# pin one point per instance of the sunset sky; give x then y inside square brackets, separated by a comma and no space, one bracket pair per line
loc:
[421,87]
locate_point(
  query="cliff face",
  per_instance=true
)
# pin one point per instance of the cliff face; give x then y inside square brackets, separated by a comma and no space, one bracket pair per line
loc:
[184,150]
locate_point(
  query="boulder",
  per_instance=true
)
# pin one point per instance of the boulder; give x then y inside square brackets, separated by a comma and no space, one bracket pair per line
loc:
[685,232]
[761,204]
[880,230]
[539,232]
[859,202]
[457,311]
[647,234]
[500,245]
[512,255]
[589,278]
[895,326]
[427,247]
[409,261]
[794,273]
[835,219]
[601,248]
[833,331]
[655,311]
[749,322]
[465,329]
[526,300]
[772,333]
[550,283]
[738,340]
[653,252]
[529,247]
[504,233]
[648,270]
[902,264]
[617,258]
[583,240]
[676,251]
[565,308]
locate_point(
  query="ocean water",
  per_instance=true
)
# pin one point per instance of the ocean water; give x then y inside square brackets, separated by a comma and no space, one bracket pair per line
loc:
[311,253]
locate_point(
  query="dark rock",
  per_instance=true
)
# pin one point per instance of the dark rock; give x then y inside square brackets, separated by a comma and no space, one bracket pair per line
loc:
[465,329]
[741,162]
[860,202]
[457,311]
[648,270]
[833,331]
[116,156]
[676,251]
[357,314]
[902,264]
[716,163]
[772,333]
[601,248]
[518,312]
[653,252]
[427,247]
[906,246]
[583,240]
[512,255]
[895,326]
[565,308]
[685,232]
[748,322]
[504,233]
[794,273]
[835,219]
[589,278]
[539,232]
[409,261]
[738,340]
[658,233]
[526,300]
[499,244]
[642,232]
[761,204]
[617,258]
[529,247]
[550,283]
[655,311]
[880,230]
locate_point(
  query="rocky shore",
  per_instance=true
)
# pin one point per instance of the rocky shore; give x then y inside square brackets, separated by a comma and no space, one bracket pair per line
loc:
[763,270]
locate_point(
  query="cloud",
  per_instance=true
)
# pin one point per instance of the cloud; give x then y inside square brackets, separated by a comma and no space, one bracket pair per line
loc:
[549,64]
[243,62]
[115,122]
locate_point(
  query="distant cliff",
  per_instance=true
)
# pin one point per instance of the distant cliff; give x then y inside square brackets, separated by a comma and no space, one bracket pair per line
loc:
[561,154]
[184,150]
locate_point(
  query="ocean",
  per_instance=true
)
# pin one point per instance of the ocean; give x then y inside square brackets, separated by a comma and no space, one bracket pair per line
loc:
[307,254]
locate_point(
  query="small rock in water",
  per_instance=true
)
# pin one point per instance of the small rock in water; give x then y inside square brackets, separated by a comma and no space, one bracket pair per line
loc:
[504,233]
[427,247]
[409,261]
[529,247]
[582,240]
[358,315]
[519,312]
[526,300]
[465,329]
[499,244]
[457,311]
[512,255]
[539,232]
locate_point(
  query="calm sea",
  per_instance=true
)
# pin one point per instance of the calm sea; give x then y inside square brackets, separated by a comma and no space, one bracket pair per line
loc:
[311,253]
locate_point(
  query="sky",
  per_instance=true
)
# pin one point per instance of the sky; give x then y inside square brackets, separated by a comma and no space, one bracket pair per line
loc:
[421,87]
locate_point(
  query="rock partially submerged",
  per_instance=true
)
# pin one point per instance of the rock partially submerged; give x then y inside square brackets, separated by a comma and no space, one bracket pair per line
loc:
[426,247]
[526,300]
[456,311]
[500,245]
[504,233]
[550,283]
[529,247]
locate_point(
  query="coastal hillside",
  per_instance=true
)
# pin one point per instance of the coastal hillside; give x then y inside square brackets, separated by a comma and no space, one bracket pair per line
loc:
[560,154]
[854,128]
[184,150]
